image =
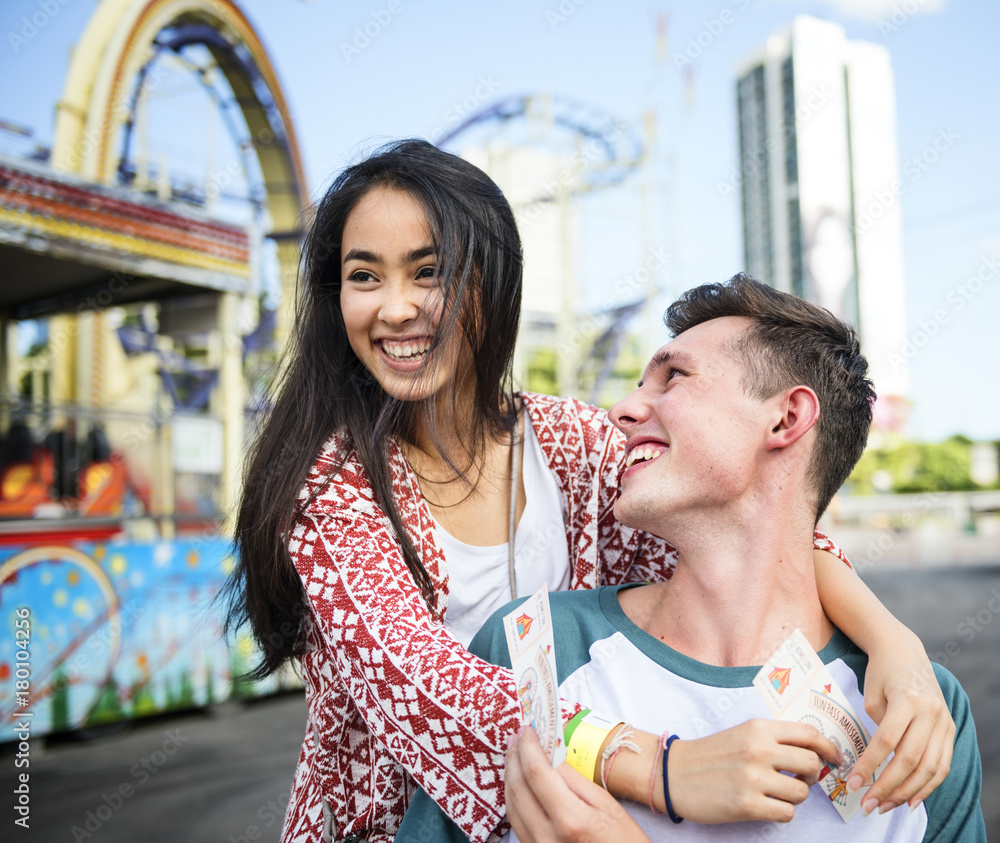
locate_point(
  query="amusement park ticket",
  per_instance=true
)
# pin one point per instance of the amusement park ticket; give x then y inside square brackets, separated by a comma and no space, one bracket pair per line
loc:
[533,659]
[796,685]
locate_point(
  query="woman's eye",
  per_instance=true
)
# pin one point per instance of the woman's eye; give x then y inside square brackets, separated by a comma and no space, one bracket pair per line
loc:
[362,276]
[427,272]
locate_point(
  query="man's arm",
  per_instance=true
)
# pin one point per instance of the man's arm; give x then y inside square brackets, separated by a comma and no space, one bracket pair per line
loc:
[954,813]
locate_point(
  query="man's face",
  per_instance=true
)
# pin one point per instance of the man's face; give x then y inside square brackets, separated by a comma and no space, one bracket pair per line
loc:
[694,437]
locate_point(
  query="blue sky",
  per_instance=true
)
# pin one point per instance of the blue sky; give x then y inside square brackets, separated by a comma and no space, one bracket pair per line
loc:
[431,57]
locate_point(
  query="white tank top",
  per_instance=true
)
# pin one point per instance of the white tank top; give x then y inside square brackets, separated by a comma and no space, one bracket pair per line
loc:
[478,582]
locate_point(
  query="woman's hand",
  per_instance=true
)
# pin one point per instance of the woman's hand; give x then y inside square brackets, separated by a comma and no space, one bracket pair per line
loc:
[738,774]
[546,805]
[902,695]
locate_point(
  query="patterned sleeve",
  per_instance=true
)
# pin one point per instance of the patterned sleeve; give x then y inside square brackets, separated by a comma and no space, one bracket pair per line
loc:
[443,713]
[823,542]
[305,802]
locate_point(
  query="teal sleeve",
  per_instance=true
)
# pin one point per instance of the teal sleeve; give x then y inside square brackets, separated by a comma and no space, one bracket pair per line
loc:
[425,822]
[953,810]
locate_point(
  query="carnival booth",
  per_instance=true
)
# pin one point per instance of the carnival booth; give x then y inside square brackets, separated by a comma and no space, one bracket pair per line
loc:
[129,319]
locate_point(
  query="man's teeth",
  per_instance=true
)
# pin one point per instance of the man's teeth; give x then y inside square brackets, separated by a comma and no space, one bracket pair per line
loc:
[405,351]
[637,454]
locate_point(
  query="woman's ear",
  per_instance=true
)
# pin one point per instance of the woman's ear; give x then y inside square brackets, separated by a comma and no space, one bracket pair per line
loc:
[796,411]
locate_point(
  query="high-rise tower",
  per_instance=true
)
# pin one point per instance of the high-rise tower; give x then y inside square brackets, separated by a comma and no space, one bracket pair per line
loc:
[820,183]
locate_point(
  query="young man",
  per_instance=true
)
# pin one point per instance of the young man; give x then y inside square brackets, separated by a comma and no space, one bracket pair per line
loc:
[741,431]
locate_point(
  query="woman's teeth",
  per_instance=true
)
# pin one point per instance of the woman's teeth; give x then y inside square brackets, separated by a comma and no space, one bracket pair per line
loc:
[405,351]
[638,454]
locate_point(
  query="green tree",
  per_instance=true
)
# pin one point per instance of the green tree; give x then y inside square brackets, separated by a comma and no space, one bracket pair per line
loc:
[915,467]
[541,372]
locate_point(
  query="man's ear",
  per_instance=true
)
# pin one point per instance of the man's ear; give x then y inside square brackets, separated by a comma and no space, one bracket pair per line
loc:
[796,411]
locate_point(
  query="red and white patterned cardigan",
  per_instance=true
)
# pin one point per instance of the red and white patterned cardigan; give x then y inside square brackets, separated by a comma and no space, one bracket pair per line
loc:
[393,698]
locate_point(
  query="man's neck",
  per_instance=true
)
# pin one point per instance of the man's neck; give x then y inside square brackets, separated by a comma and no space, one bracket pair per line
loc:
[735,594]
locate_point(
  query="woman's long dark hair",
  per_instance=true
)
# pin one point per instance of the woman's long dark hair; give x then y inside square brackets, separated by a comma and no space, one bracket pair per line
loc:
[326,389]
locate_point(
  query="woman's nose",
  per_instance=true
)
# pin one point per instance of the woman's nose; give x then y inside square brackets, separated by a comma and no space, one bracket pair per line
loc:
[400,304]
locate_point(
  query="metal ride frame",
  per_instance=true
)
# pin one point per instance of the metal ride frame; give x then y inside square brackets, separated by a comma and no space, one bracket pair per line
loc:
[72,229]
[108,67]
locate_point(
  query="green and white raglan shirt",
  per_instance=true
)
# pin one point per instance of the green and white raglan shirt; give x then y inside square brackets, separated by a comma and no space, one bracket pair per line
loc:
[605,662]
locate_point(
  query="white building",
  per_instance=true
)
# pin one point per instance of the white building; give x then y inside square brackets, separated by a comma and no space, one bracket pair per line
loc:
[539,186]
[820,186]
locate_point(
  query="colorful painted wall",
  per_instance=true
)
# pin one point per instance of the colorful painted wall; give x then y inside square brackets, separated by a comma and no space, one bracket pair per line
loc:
[116,631]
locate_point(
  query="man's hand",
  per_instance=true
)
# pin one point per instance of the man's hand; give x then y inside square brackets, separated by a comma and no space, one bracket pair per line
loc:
[738,774]
[549,806]
[903,696]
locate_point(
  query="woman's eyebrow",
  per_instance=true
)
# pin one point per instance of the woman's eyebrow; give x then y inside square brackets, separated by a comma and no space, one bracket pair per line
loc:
[373,257]
[362,255]
[421,253]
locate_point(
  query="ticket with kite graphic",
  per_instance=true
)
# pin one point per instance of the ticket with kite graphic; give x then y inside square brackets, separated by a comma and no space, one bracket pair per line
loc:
[796,685]
[533,659]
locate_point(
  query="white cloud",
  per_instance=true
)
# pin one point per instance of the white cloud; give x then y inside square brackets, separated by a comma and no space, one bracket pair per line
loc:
[876,10]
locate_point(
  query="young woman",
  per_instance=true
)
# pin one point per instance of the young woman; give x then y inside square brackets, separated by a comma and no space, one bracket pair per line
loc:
[400,491]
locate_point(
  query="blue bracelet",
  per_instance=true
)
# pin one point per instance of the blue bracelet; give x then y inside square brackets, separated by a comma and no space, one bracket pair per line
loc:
[666,787]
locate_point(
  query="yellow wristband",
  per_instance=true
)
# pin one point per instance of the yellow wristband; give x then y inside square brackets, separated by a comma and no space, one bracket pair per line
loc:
[584,749]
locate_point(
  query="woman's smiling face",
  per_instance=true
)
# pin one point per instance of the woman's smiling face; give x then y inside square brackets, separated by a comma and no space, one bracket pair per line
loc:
[392,299]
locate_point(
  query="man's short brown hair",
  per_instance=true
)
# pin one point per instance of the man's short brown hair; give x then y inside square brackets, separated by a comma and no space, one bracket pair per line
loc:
[793,342]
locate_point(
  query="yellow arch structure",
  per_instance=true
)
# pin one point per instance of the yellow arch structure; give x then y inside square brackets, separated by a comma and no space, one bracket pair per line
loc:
[116,44]
[106,65]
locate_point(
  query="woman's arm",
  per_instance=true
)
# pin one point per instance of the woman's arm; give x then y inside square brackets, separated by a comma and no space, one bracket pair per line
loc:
[444,714]
[304,813]
[901,693]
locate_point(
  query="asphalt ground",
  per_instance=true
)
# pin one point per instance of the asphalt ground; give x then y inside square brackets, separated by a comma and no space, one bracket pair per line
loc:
[223,775]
